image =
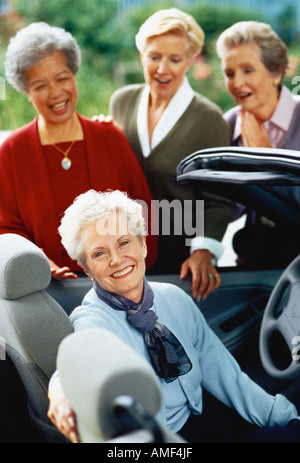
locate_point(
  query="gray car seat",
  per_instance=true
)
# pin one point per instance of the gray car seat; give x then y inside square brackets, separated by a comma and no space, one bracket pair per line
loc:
[113,390]
[32,324]
[38,337]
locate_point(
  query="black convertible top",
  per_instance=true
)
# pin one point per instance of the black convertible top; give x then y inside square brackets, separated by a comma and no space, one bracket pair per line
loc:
[266,180]
[239,165]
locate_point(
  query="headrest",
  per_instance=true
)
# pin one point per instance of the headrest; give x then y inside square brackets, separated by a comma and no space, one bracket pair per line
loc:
[24,268]
[96,367]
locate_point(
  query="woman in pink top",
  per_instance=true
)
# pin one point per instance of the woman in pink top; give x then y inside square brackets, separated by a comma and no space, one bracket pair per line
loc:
[254,62]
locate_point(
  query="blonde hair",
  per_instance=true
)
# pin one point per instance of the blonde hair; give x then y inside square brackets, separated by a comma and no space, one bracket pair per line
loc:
[273,51]
[171,21]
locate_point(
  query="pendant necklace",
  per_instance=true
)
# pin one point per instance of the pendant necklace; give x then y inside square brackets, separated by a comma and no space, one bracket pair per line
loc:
[66,161]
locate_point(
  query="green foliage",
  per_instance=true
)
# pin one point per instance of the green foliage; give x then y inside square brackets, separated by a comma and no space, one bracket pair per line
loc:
[91,22]
[95,88]
[15,110]
[107,40]
[214,19]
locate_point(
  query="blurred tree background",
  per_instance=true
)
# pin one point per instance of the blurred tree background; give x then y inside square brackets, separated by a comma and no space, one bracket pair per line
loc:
[105,33]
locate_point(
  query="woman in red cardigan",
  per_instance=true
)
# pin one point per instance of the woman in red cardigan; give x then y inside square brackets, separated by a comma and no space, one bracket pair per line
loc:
[47,163]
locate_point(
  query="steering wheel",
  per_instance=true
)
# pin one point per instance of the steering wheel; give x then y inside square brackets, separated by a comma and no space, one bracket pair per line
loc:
[286,322]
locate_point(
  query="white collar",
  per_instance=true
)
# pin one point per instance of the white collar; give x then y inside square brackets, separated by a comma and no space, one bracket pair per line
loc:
[176,107]
[284,111]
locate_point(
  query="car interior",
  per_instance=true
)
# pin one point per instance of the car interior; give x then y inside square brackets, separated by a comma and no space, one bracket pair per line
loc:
[255,313]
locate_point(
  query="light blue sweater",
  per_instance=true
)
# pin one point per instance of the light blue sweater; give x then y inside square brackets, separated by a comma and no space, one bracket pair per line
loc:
[214,368]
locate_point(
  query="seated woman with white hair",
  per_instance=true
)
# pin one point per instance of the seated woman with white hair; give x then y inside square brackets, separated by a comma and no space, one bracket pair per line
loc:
[205,395]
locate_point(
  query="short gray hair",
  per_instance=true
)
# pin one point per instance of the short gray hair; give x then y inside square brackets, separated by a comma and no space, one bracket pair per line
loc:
[93,205]
[172,21]
[274,54]
[33,43]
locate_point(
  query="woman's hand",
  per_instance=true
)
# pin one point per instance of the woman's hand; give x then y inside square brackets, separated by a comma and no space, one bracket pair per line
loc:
[60,411]
[205,278]
[253,133]
[108,120]
[61,273]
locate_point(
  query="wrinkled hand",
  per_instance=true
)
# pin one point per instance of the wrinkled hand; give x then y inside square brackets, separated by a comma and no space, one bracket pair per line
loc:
[108,120]
[61,273]
[253,133]
[60,412]
[205,278]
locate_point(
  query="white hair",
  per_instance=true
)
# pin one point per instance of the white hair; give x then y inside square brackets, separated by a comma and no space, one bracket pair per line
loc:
[273,51]
[91,206]
[33,43]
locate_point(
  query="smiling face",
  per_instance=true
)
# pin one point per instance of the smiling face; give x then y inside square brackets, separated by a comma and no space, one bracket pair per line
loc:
[52,89]
[165,61]
[250,83]
[114,257]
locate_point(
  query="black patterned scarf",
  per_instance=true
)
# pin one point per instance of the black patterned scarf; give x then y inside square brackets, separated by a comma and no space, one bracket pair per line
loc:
[167,355]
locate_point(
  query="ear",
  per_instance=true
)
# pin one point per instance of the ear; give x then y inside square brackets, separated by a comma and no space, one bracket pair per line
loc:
[191,61]
[145,249]
[280,77]
[88,273]
[141,56]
